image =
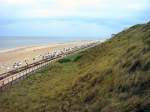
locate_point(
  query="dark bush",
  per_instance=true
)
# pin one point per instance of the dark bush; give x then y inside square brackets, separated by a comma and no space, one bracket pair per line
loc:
[65,60]
[135,66]
[76,58]
[146,67]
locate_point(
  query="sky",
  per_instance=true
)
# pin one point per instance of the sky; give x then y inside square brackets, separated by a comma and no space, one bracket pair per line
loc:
[70,19]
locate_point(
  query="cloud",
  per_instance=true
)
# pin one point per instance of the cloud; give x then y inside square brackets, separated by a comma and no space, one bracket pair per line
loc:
[70,17]
[15,2]
[94,8]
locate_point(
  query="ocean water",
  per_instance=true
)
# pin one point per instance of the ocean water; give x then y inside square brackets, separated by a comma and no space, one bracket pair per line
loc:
[14,42]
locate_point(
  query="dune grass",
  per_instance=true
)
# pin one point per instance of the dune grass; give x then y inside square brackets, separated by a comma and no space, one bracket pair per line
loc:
[28,95]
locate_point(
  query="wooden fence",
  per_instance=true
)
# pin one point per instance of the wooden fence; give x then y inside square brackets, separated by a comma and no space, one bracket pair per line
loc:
[6,82]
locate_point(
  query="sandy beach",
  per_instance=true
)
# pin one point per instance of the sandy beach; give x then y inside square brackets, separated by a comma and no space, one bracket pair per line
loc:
[10,56]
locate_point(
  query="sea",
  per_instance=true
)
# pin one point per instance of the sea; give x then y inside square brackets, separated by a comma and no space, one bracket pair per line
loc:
[15,42]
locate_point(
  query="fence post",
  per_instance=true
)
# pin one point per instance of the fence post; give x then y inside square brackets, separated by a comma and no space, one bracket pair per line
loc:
[16,78]
[2,85]
[20,76]
[11,80]
[8,81]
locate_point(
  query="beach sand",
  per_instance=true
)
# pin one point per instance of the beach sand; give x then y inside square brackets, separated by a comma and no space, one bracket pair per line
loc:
[10,56]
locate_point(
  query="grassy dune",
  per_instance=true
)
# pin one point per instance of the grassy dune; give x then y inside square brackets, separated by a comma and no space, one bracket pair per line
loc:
[111,77]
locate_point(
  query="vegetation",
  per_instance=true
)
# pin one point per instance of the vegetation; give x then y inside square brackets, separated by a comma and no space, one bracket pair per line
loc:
[72,58]
[111,77]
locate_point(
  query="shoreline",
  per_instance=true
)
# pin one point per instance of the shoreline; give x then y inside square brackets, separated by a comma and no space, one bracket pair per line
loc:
[5,50]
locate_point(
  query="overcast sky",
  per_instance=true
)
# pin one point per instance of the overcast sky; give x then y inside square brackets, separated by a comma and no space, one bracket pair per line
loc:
[70,18]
